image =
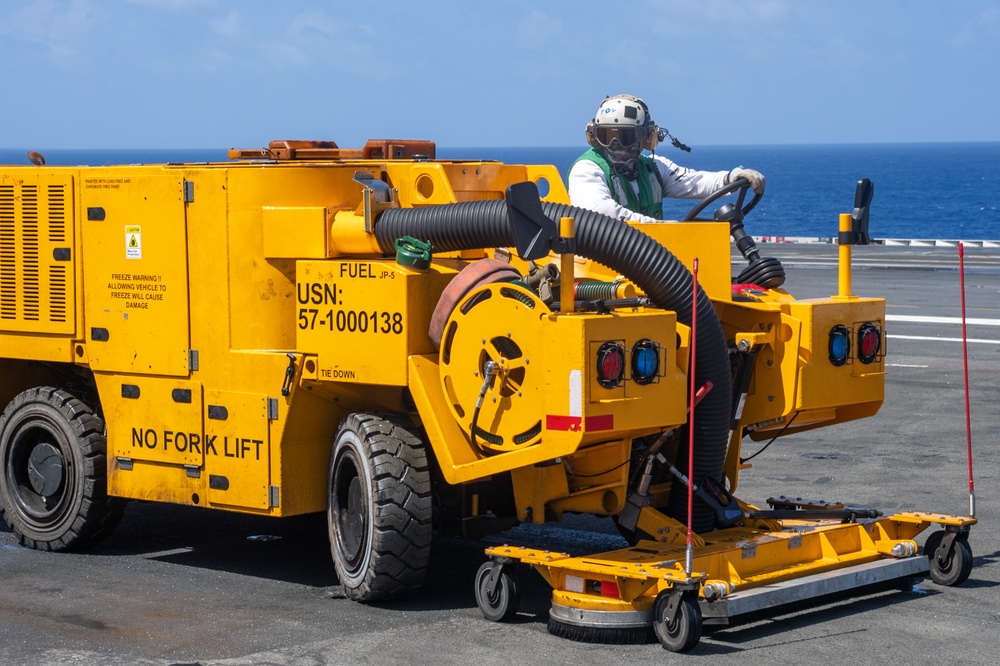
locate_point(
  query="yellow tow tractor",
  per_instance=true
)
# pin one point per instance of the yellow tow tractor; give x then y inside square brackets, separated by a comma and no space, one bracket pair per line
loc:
[411,344]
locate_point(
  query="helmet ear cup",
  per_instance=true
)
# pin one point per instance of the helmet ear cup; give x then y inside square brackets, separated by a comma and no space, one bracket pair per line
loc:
[591,140]
[650,130]
[652,135]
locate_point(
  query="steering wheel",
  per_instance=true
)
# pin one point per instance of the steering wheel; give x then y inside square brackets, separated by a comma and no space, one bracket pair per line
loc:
[765,272]
[741,184]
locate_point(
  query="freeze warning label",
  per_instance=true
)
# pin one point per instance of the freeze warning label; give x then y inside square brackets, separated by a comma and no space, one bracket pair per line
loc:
[137,290]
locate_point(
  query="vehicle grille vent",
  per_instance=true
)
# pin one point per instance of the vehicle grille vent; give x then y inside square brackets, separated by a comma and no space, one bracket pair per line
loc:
[35,286]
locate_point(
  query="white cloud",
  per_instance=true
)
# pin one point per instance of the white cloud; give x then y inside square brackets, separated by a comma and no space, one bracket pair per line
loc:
[231,25]
[538,31]
[985,26]
[313,21]
[172,5]
[58,28]
[716,11]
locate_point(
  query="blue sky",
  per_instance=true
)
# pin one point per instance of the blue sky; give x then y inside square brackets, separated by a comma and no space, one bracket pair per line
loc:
[469,73]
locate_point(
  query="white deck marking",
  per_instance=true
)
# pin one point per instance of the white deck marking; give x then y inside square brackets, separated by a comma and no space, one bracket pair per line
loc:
[942,320]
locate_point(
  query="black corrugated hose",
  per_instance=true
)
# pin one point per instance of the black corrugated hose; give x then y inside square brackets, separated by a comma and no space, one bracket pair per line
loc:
[629,252]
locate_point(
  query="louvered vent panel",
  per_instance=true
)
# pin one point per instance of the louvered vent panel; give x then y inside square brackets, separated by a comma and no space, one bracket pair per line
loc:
[8,254]
[36,225]
[29,251]
[58,311]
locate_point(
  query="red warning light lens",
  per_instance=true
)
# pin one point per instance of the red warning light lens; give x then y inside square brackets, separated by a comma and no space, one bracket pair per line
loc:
[610,364]
[869,342]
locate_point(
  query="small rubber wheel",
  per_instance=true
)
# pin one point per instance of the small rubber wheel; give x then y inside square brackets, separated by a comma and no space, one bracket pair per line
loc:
[954,568]
[685,631]
[502,604]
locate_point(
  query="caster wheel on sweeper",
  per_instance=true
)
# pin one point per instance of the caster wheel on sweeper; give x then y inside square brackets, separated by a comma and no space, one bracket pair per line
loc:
[950,564]
[496,592]
[683,632]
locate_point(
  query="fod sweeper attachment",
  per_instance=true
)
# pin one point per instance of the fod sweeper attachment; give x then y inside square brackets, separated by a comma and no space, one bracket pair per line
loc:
[751,561]
[409,344]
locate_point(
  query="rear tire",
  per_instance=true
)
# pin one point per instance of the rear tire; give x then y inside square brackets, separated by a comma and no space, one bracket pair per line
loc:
[379,510]
[53,487]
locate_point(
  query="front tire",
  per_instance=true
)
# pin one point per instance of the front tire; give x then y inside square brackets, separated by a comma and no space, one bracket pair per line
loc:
[53,487]
[379,511]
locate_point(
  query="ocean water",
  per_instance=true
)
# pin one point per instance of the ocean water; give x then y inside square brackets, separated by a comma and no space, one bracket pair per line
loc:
[922,190]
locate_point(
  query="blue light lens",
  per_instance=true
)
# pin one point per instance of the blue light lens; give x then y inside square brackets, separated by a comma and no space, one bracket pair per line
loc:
[840,345]
[645,361]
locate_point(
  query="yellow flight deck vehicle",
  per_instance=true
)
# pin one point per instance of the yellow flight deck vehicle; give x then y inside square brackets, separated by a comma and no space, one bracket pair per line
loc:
[411,344]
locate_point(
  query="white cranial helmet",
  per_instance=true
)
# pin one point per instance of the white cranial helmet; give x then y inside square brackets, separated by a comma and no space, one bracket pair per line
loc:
[621,130]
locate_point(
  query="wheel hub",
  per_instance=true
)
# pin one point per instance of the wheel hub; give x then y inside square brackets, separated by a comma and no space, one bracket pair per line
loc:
[351,521]
[45,469]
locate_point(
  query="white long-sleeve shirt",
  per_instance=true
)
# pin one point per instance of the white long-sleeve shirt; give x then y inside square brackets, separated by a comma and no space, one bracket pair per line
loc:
[589,189]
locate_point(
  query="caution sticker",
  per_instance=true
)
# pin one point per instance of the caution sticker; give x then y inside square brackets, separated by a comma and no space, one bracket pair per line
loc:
[133,242]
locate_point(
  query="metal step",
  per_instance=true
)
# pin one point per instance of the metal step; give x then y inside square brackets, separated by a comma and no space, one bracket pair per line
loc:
[856,581]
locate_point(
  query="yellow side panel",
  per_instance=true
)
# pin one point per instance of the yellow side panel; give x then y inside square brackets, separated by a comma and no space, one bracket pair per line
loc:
[154,482]
[708,241]
[237,448]
[365,318]
[821,383]
[295,232]
[152,418]
[37,253]
[136,284]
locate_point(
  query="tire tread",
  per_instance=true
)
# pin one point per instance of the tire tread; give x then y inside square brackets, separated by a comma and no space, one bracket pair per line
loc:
[401,490]
[98,514]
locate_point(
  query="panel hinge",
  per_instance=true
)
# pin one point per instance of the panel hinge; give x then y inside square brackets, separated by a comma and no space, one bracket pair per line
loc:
[272,409]
[272,496]
[192,359]
[188,191]
[193,471]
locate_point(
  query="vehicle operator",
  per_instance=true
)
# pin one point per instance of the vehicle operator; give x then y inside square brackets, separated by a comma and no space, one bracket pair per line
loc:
[616,179]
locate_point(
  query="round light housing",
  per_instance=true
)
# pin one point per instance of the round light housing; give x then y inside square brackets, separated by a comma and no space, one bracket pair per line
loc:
[869,342]
[645,361]
[840,345]
[610,364]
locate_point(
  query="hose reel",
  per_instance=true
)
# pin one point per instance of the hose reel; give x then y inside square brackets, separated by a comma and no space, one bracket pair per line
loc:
[491,366]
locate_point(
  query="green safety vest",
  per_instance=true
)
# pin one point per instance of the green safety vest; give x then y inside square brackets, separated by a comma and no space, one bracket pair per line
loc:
[647,203]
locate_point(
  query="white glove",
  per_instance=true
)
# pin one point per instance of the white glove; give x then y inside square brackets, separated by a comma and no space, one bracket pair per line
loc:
[756,178]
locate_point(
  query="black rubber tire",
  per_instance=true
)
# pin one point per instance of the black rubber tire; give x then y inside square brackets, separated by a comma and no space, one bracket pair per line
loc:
[502,605]
[685,631]
[955,568]
[54,482]
[379,509]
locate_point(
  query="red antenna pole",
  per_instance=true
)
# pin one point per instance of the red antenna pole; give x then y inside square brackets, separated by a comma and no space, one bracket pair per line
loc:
[689,560]
[965,365]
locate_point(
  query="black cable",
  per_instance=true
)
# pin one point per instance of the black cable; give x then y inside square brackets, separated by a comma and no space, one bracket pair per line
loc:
[780,432]
[607,471]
